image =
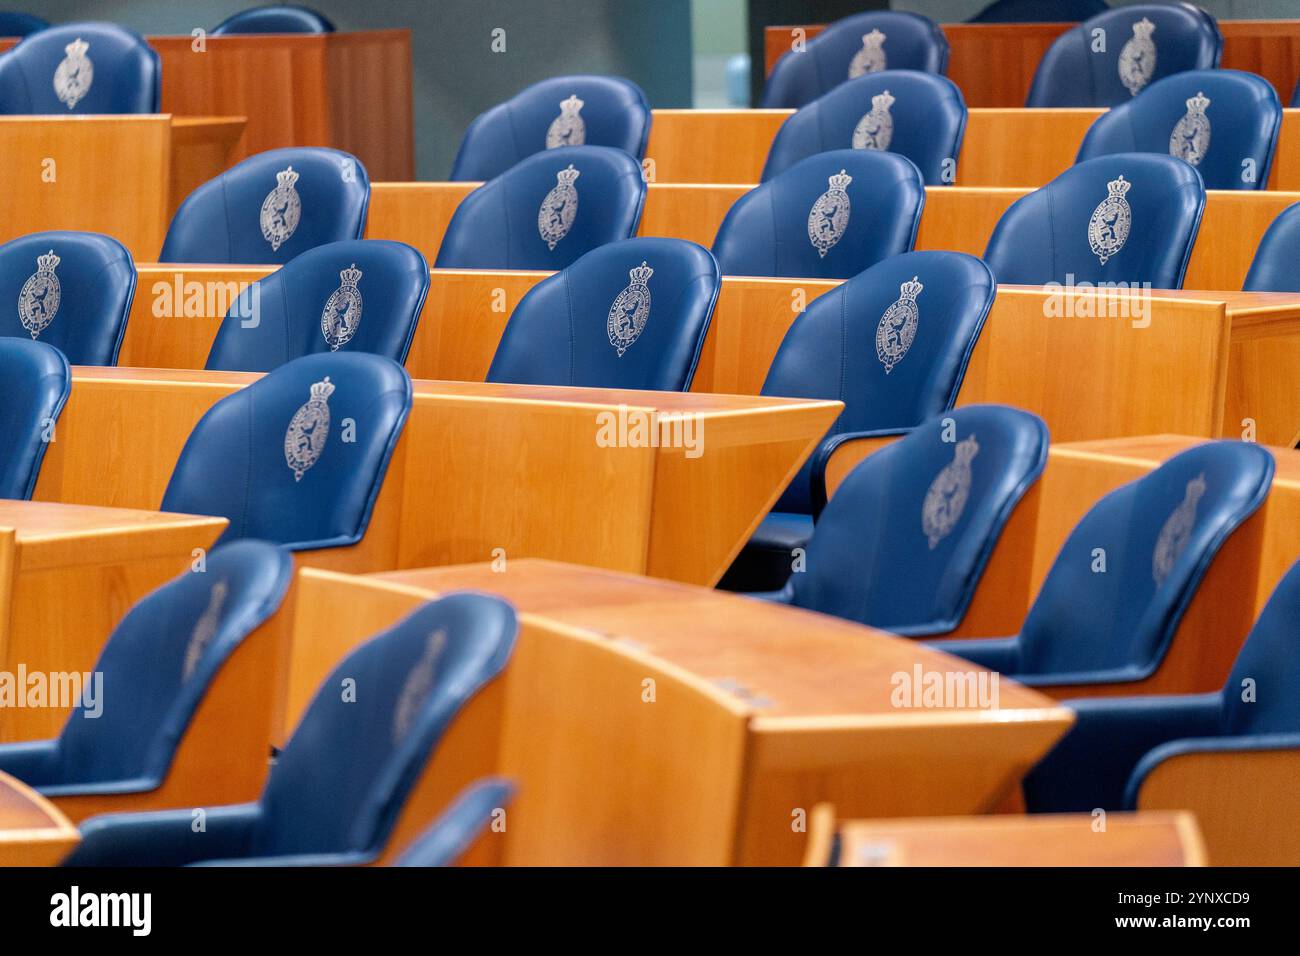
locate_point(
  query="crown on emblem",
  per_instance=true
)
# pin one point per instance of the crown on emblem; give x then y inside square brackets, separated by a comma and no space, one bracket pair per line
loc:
[322,390]
[910,290]
[571,105]
[641,273]
[966,449]
[567,176]
[1198,103]
[286,177]
[1118,187]
[1196,487]
[350,276]
[47,262]
[77,48]
[840,180]
[874,38]
[1143,28]
[882,101]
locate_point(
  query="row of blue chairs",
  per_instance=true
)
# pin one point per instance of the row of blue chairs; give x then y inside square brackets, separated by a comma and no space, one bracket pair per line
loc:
[275,18]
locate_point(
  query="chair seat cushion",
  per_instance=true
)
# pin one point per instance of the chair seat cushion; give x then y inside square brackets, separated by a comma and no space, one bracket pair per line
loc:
[765,562]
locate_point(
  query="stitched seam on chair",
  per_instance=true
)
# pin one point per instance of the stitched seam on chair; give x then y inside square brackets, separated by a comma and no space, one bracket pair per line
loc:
[288,320]
[844,345]
[568,302]
[248,465]
[776,231]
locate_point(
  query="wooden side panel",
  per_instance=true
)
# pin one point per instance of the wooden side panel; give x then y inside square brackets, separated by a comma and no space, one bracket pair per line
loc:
[711,146]
[202,147]
[414,213]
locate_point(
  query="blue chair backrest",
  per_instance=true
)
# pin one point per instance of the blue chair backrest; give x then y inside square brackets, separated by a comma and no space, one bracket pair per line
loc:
[72,290]
[341,780]
[1223,122]
[1128,218]
[298,456]
[581,110]
[453,832]
[630,314]
[358,295]
[902,543]
[863,43]
[15,24]
[271,208]
[37,382]
[1142,43]
[1274,267]
[892,344]
[1270,661]
[1039,11]
[827,217]
[161,659]
[1155,538]
[81,68]
[277,18]
[547,211]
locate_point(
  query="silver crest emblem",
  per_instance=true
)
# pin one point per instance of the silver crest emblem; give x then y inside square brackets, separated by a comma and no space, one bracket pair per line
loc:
[1190,140]
[74,74]
[897,326]
[342,313]
[567,129]
[628,314]
[1176,530]
[946,499]
[876,129]
[38,302]
[559,208]
[281,209]
[1109,226]
[205,628]
[1137,60]
[829,216]
[310,426]
[871,58]
[418,683]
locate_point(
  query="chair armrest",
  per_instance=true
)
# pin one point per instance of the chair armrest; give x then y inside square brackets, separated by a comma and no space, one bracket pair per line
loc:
[995,653]
[295,860]
[34,762]
[106,788]
[850,448]
[165,837]
[783,596]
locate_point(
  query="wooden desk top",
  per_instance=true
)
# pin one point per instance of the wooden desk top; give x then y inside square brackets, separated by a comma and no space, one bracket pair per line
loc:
[32,830]
[1152,450]
[39,521]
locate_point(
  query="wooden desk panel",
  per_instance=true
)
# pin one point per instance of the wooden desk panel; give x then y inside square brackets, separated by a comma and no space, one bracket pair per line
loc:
[203,147]
[32,831]
[710,146]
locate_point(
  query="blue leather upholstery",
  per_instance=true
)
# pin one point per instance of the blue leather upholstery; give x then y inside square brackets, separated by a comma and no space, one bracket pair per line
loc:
[562,111]
[810,223]
[271,208]
[15,24]
[72,290]
[340,783]
[1274,267]
[1159,535]
[1116,743]
[847,48]
[631,314]
[358,295]
[903,543]
[1177,36]
[1039,11]
[547,211]
[80,68]
[157,666]
[460,824]
[1223,122]
[918,115]
[298,456]
[277,18]
[37,381]
[1048,236]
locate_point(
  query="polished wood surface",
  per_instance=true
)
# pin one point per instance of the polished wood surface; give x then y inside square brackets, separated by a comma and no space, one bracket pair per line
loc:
[32,831]
[710,146]
[203,147]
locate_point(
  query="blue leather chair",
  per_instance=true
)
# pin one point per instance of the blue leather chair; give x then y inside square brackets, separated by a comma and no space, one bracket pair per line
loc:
[15,24]
[1223,122]
[918,115]
[1143,43]
[547,211]
[1128,218]
[157,667]
[298,456]
[581,110]
[1274,267]
[271,208]
[278,18]
[460,824]
[37,383]
[72,290]
[81,68]
[1158,536]
[358,295]
[1039,11]
[863,43]
[336,790]
[827,217]
[892,344]
[903,543]
[631,314]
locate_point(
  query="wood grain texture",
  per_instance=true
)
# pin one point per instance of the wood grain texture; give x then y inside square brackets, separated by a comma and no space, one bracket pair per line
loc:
[32,830]
[710,146]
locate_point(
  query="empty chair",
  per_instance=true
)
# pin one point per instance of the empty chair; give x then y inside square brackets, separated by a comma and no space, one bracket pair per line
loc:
[37,382]
[581,110]
[863,43]
[1223,122]
[1274,267]
[15,24]
[1142,43]
[460,824]
[298,456]
[277,18]
[337,788]
[547,211]
[358,295]
[917,115]
[1039,11]
[72,290]
[892,344]
[1113,621]
[827,217]
[270,208]
[1126,220]
[81,68]
[631,314]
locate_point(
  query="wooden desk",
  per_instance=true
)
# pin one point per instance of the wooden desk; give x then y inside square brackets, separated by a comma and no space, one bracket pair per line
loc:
[32,831]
